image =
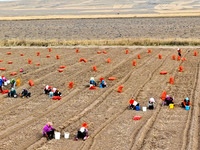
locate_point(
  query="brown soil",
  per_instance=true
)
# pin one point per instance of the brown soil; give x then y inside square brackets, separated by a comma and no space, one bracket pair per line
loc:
[91,29]
[110,123]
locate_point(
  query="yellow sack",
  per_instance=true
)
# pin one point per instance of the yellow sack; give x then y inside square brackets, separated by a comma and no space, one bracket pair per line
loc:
[18,82]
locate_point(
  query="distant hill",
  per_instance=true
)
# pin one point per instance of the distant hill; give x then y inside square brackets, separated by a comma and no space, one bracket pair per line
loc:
[95,7]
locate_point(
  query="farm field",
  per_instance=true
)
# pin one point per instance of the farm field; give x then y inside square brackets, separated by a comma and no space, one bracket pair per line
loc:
[110,123]
[101,29]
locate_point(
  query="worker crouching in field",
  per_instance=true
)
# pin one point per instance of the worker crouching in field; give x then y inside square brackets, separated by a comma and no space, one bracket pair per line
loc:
[102,83]
[13,83]
[168,100]
[179,52]
[151,103]
[133,104]
[82,132]
[57,93]
[12,93]
[48,131]
[92,82]
[186,102]
[47,89]
[25,93]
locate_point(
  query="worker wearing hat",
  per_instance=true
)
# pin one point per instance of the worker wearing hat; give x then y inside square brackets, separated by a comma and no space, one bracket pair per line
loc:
[151,103]
[133,103]
[179,52]
[92,82]
[48,131]
[186,102]
[82,133]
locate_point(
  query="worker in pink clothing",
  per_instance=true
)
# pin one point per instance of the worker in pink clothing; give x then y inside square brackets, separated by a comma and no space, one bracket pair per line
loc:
[48,131]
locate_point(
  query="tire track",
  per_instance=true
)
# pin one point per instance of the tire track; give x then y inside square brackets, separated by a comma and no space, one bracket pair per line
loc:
[190,138]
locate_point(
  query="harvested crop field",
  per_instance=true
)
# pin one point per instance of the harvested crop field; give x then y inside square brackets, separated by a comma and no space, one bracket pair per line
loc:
[110,123]
[101,29]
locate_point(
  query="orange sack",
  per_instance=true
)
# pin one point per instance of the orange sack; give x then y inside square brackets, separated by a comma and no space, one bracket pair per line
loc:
[31,83]
[163,96]
[171,80]
[13,73]
[119,90]
[111,78]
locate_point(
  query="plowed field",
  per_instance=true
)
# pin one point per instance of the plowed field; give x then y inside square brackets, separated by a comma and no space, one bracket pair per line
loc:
[110,123]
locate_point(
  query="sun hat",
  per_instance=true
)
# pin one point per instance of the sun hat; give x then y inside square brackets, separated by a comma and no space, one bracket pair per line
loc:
[84,125]
[49,123]
[152,100]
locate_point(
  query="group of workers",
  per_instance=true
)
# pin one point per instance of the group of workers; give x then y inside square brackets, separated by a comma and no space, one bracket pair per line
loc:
[52,91]
[103,84]
[168,100]
[12,92]
[48,132]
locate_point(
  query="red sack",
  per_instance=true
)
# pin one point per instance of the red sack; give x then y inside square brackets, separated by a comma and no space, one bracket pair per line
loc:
[62,66]
[56,98]
[137,118]
[5,91]
[163,72]
[71,85]
[60,70]
[92,87]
